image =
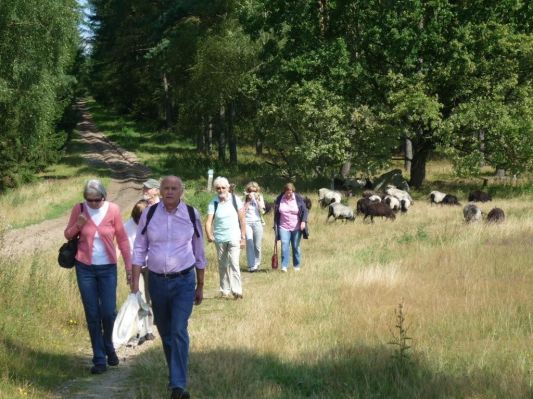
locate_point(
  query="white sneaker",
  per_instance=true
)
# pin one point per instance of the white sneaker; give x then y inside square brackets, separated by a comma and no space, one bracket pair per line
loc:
[284,269]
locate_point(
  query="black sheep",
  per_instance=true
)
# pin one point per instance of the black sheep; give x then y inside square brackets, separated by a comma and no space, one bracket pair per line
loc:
[377,209]
[450,200]
[479,196]
[496,215]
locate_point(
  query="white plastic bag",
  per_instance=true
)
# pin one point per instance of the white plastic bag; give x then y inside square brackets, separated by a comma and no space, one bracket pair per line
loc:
[126,326]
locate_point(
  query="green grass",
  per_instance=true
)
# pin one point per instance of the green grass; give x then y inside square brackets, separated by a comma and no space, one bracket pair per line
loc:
[323,333]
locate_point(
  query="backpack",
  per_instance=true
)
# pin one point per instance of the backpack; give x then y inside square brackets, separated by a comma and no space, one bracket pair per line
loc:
[151,212]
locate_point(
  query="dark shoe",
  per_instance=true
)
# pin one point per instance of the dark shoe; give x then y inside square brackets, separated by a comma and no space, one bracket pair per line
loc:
[180,393]
[142,340]
[112,359]
[149,337]
[98,369]
[237,296]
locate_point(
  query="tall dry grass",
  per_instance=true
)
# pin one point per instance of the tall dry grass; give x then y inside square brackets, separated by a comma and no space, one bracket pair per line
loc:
[326,332]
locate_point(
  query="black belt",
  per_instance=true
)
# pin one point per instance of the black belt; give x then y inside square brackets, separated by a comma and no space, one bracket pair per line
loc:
[173,274]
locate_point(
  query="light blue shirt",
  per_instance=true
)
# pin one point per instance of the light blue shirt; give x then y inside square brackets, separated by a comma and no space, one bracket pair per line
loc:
[226,226]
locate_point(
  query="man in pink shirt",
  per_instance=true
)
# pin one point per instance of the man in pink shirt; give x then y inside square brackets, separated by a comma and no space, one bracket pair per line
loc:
[173,248]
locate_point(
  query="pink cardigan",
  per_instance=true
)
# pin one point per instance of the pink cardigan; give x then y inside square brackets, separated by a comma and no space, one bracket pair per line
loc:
[110,227]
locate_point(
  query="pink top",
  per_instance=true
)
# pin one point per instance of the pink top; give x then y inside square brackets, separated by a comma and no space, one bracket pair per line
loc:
[109,228]
[288,213]
[169,244]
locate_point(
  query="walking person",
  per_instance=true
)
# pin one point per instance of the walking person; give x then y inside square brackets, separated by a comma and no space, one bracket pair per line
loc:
[254,208]
[151,191]
[170,241]
[225,225]
[98,226]
[131,230]
[290,221]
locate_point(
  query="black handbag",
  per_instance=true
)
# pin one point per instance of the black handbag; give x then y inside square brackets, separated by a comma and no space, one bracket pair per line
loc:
[67,253]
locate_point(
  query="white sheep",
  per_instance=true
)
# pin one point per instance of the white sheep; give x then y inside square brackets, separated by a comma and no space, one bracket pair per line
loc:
[472,213]
[327,196]
[436,197]
[393,202]
[400,194]
[340,211]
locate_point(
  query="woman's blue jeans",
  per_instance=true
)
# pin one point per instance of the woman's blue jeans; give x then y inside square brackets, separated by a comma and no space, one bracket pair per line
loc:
[290,239]
[172,302]
[98,289]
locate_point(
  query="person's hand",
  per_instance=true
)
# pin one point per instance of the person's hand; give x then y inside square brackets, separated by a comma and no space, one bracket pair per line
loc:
[302,226]
[210,238]
[128,278]
[82,219]
[243,242]
[199,295]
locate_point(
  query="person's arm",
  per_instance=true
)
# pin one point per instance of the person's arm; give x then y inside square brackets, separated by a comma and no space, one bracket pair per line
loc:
[135,273]
[199,293]
[75,223]
[209,228]
[242,223]
[123,243]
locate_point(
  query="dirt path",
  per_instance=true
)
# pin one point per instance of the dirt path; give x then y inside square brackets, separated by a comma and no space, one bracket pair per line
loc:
[125,189]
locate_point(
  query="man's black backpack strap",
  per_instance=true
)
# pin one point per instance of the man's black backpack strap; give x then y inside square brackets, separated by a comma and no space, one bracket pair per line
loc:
[151,212]
[192,216]
[149,215]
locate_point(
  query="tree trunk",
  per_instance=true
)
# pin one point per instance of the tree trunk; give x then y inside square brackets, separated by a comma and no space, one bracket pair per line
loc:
[418,166]
[408,154]
[221,134]
[200,138]
[232,139]
[169,117]
[345,169]
[258,146]
[482,145]
[209,136]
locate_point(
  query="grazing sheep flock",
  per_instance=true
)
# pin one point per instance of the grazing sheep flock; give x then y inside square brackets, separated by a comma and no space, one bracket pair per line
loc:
[393,200]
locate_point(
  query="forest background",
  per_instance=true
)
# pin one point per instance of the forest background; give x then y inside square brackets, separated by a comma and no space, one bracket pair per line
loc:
[318,88]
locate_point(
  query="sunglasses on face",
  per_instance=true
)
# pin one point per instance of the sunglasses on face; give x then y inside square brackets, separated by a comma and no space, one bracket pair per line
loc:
[93,200]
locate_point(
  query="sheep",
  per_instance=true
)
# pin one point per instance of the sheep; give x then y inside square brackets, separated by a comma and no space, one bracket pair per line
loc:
[450,199]
[362,203]
[479,196]
[400,194]
[405,204]
[471,213]
[436,197]
[340,211]
[327,196]
[378,209]
[496,215]
[308,203]
[392,202]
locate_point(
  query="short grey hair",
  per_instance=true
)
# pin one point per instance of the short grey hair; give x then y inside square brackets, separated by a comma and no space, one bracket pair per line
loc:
[94,186]
[221,181]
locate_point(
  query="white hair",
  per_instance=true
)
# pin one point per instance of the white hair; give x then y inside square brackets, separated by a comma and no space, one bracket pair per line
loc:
[222,181]
[94,186]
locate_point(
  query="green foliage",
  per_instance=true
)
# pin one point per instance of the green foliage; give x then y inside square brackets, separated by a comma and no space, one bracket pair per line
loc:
[39,42]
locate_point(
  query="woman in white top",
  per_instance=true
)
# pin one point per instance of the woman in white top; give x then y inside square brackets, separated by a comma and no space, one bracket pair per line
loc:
[131,229]
[254,208]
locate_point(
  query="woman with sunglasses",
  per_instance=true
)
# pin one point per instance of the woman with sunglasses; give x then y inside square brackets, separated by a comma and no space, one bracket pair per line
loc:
[99,225]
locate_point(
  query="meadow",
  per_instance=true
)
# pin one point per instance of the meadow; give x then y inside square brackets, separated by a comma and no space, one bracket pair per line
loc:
[422,307]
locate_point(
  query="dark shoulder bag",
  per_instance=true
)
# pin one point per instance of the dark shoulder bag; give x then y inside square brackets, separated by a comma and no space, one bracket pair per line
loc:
[67,252]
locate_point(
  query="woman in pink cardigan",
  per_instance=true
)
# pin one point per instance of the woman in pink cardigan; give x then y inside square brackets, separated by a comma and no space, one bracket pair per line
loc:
[98,225]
